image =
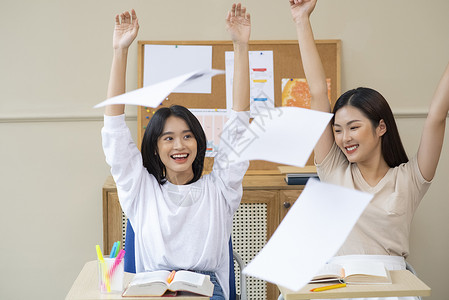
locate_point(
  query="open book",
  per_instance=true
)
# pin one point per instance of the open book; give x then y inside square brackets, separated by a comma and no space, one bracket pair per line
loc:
[354,273]
[157,283]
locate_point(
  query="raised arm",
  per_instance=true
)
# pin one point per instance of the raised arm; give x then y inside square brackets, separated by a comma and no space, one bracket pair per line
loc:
[433,133]
[125,31]
[313,69]
[238,23]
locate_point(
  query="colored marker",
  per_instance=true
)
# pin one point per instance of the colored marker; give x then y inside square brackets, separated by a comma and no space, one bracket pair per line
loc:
[171,276]
[103,267]
[117,249]
[117,261]
[112,255]
[99,255]
[328,287]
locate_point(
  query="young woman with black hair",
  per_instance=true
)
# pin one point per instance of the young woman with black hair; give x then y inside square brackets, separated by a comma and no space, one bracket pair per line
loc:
[361,149]
[181,219]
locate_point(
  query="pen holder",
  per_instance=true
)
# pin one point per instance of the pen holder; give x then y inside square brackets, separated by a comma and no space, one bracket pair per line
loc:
[110,275]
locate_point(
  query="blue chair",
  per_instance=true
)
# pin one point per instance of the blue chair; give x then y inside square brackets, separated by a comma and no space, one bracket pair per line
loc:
[130,261]
[130,264]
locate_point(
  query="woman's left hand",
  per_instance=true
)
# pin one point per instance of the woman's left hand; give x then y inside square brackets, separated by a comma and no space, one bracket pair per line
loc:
[238,23]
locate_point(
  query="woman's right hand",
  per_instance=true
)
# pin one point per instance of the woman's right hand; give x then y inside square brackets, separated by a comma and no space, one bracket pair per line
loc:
[301,9]
[125,31]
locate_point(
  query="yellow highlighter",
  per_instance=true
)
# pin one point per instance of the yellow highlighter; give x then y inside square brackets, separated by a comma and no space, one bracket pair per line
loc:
[99,254]
[328,287]
[103,268]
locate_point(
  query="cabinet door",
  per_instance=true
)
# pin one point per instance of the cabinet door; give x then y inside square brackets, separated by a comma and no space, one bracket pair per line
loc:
[287,198]
[113,222]
[254,223]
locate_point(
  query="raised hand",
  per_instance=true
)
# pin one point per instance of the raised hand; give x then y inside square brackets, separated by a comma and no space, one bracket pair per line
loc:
[238,23]
[125,31]
[313,69]
[301,8]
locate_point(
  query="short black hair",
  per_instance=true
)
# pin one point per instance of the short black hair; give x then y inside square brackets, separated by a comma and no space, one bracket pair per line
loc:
[374,106]
[150,155]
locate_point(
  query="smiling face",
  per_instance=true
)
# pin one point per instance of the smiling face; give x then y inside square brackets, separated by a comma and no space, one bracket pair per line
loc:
[355,135]
[177,149]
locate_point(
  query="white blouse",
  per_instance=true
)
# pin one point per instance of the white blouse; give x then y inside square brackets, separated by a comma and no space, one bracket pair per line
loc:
[178,226]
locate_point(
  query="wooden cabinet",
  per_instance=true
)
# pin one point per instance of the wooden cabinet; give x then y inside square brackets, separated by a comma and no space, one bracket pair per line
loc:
[113,216]
[272,191]
[266,200]
[287,198]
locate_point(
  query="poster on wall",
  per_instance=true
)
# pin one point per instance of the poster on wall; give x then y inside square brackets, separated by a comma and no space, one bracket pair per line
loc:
[212,121]
[163,62]
[261,81]
[295,92]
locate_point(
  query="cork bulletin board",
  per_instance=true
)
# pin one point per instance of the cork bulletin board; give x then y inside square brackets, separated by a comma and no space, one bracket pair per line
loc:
[286,64]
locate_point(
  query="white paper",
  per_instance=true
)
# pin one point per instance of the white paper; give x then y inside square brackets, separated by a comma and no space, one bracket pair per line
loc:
[163,62]
[154,94]
[285,135]
[315,227]
[229,67]
[261,80]
[212,121]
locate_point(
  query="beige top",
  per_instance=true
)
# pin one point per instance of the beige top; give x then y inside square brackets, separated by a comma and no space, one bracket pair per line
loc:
[384,226]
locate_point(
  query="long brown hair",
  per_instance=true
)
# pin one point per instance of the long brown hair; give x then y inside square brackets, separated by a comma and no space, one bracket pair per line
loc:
[374,106]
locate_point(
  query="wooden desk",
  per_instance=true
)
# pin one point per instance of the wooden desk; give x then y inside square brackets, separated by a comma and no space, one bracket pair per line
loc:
[404,284]
[85,287]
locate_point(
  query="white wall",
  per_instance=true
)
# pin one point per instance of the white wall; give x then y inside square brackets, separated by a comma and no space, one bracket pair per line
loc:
[55,60]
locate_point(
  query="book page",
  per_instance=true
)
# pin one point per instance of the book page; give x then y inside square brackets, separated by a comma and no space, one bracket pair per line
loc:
[192,282]
[365,272]
[189,277]
[329,272]
[148,277]
[365,267]
[147,284]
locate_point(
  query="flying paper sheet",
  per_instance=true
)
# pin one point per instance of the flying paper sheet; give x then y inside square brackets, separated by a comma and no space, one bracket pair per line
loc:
[312,232]
[154,94]
[285,135]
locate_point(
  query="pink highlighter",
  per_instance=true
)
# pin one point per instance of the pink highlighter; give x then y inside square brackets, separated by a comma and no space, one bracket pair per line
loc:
[117,261]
